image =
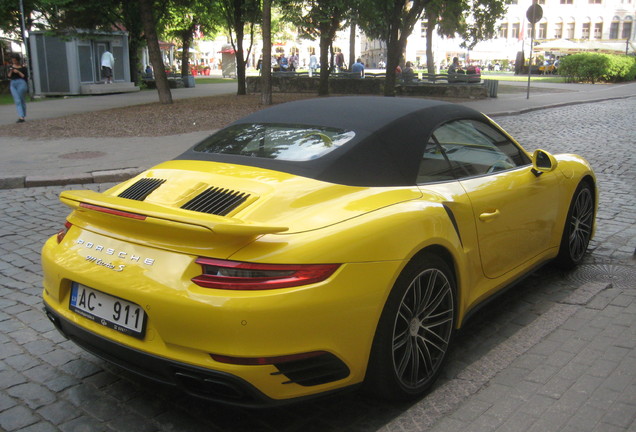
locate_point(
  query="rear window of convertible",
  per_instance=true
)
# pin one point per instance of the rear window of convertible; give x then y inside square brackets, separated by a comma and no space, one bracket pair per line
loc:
[275,141]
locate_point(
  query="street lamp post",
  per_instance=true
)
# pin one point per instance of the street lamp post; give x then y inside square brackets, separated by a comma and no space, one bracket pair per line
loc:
[534,14]
[25,42]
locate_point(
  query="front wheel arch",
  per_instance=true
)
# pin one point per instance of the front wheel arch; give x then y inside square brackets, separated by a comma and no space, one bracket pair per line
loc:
[418,317]
[585,190]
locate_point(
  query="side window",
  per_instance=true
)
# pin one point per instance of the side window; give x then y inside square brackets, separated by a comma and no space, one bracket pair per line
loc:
[474,148]
[434,166]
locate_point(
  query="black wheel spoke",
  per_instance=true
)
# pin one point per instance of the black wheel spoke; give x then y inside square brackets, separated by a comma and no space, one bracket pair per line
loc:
[426,355]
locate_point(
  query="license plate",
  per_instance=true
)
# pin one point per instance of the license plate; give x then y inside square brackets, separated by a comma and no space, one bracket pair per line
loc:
[107,310]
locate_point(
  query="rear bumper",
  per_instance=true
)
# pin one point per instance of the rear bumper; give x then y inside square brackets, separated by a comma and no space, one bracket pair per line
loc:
[199,382]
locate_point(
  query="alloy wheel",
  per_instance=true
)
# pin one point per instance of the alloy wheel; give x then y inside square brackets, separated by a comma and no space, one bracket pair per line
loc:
[581,224]
[422,329]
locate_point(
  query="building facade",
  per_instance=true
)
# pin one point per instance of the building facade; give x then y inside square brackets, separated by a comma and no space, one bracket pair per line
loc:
[566,26]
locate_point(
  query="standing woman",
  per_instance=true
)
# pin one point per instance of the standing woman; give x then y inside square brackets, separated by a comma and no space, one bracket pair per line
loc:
[18,75]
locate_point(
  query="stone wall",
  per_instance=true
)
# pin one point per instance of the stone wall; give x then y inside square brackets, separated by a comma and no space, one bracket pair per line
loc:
[368,86]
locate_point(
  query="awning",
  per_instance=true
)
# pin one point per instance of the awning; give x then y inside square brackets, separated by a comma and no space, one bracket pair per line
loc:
[567,46]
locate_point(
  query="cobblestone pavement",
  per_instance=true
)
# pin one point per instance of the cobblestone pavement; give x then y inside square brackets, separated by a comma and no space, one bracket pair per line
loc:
[557,353]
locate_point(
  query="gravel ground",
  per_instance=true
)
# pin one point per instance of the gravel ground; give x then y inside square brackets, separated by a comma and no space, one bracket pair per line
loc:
[155,119]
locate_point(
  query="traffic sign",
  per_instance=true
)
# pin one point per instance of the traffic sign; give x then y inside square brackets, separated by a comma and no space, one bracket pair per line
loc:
[534,13]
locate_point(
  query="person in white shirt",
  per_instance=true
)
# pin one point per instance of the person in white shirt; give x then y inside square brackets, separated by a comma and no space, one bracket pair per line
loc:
[108,64]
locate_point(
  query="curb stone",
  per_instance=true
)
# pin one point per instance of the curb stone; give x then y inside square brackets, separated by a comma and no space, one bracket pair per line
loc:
[106,176]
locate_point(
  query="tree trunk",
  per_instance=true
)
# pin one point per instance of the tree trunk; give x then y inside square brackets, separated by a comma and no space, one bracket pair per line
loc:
[393,54]
[132,23]
[148,22]
[266,64]
[430,60]
[133,58]
[352,43]
[325,42]
[239,30]
[240,61]
[185,43]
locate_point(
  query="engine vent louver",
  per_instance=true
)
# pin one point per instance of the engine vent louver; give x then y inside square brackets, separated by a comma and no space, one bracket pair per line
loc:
[216,201]
[141,189]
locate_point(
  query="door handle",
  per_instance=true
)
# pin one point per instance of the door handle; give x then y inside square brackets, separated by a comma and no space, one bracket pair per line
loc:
[489,216]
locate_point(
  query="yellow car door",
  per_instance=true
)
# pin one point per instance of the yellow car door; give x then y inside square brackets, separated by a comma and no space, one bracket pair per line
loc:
[513,206]
[513,215]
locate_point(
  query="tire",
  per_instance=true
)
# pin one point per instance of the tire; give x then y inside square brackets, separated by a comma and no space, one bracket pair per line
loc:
[578,228]
[415,331]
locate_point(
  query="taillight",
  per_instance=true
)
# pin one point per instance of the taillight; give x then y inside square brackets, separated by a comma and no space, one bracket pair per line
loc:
[61,233]
[234,275]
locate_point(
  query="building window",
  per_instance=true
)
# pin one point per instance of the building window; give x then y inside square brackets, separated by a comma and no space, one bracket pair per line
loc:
[585,31]
[542,31]
[570,31]
[503,31]
[515,31]
[627,29]
[598,30]
[595,1]
[613,34]
[558,30]
[566,1]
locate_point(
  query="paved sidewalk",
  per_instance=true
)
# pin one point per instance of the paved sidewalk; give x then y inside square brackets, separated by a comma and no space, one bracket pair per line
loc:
[93,160]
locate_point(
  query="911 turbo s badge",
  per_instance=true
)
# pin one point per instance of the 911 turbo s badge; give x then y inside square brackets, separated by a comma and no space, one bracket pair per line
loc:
[105,264]
[114,253]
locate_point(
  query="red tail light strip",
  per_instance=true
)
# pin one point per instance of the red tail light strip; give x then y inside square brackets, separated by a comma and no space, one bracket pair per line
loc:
[113,211]
[234,275]
[62,233]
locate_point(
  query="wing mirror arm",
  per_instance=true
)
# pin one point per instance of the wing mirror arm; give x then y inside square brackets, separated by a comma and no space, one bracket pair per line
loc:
[535,172]
[542,162]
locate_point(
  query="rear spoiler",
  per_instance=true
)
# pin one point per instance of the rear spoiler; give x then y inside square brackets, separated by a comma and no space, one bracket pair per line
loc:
[91,201]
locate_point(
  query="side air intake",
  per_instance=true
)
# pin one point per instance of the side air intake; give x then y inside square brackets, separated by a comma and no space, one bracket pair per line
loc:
[216,201]
[141,189]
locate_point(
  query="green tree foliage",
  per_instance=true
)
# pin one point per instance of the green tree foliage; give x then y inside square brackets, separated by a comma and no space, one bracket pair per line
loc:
[391,21]
[318,19]
[183,18]
[68,15]
[10,15]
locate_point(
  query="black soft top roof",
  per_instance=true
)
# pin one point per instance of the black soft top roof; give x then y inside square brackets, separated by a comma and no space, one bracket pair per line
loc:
[386,149]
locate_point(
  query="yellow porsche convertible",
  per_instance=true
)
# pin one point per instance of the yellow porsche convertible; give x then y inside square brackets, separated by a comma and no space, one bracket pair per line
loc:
[313,246]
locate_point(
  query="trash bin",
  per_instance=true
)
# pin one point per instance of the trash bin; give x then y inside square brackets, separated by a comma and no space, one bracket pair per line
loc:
[491,86]
[188,81]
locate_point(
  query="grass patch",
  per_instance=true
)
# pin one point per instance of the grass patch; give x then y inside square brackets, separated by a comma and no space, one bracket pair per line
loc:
[6,99]
[523,78]
[214,80]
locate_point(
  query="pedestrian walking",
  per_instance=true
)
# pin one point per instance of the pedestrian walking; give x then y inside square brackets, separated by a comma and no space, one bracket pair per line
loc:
[18,75]
[108,64]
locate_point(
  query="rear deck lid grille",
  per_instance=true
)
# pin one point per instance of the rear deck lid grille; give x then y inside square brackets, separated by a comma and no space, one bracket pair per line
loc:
[141,189]
[217,201]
